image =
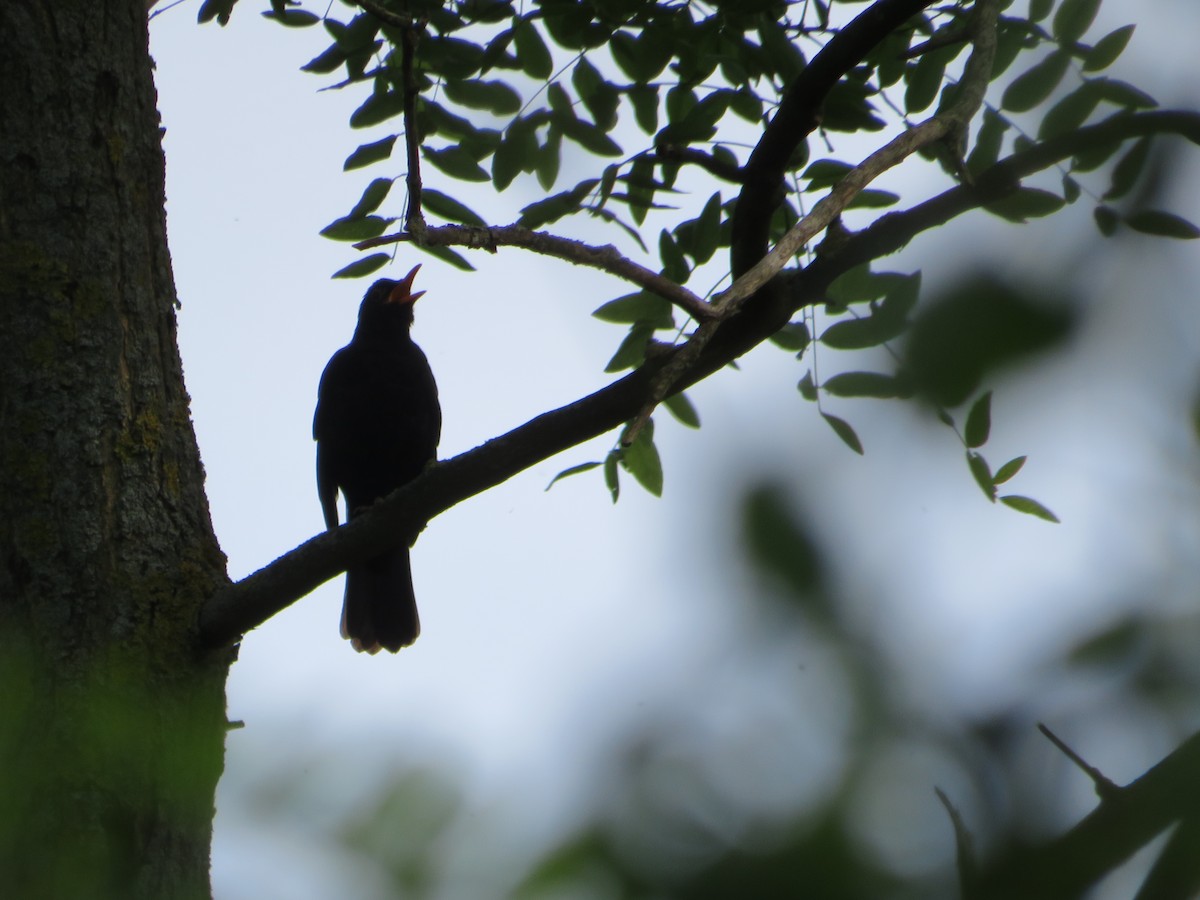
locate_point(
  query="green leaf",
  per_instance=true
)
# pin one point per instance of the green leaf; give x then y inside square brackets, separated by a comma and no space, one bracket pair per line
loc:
[1128,170]
[982,474]
[457,162]
[328,61]
[1029,506]
[1073,19]
[632,351]
[1107,49]
[923,79]
[590,137]
[375,193]
[866,384]
[644,98]
[612,475]
[364,266]
[293,18]
[858,334]
[355,229]
[806,387]
[493,96]
[448,208]
[642,461]
[642,306]
[682,409]
[370,153]
[548,159]
[843,430]
[1039,9]
[574,470]
[1107,220]
[1163,224]
[599,96]
[516,153]
[532,53]
[979,421]
[379,107]
[988,142]
[872,198]
[1070,112]
[553,208]
[447,255]
[1026,203]
[1008,470]
[793,336]
[1032,87]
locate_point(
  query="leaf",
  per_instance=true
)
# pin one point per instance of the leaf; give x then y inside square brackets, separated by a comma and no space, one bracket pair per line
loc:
[1163,224]
[979,421]
[644,98]
[708,230]
[1107,49]
[590,137]
[364,266]
[379,107]
[866,384]
[574,470]
[457,162]
[1026,203]
[448,208]
[599,96]
[493,96]
[1073,19]
[858,334]
[532,53]
[612,475]
[1033,86]
[553,208]
[293,18]
[1107,220]
[355,228]
[682,409]
[632,351]
[1070,112]
[1029,506]
[375,193]
[370,153]
[642,461]
[982,474]
[793,336]
[548,159]
[641,306]
[447,255]
[1128,169]
[1008,470]
[843,430]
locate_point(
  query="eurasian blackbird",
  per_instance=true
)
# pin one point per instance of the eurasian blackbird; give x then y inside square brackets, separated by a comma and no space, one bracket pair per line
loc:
[377,425]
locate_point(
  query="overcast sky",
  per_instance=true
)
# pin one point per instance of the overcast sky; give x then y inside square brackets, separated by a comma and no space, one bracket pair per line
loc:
[550,621]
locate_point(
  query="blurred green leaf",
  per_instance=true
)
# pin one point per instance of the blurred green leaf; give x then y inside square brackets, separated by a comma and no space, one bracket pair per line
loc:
[979,421]
[866,384]
[1008,470]
[642,461]
[1029,506]
[1163,224]
[982,474]
[1073,19]
[446,207]
[363,267]
[682,409]
[843,430]
[1033,86]
[574,470]
[1107,49]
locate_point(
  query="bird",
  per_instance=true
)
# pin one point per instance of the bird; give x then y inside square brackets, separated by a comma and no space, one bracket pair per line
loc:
[377,425]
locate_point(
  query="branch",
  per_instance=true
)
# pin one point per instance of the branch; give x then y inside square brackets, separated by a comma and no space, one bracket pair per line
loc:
[606,258]
[242,606]
[412,140]
[950,122]
[797,117]
[1121,825]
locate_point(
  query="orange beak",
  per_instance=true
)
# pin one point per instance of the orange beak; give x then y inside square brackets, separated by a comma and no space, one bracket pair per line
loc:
[402,292]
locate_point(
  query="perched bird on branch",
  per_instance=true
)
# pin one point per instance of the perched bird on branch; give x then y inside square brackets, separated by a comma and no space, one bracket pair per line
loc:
[377,426]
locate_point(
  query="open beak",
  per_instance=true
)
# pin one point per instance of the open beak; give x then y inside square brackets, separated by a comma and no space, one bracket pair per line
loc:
[402,292]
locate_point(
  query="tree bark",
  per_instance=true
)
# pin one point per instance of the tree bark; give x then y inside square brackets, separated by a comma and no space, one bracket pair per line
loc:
[111,725]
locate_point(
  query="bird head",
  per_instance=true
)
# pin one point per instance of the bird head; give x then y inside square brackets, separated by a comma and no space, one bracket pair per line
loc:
[390,301]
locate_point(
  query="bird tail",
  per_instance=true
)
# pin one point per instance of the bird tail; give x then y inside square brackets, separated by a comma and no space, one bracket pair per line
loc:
[379,610]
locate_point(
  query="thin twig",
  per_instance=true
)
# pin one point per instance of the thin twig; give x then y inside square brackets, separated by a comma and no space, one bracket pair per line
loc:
[1105,788]
[606,258]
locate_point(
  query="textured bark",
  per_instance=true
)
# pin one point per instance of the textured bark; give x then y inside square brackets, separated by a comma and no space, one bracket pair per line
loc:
[111,727]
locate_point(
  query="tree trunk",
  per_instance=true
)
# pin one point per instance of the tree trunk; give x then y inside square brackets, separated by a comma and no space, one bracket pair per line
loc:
[111,726]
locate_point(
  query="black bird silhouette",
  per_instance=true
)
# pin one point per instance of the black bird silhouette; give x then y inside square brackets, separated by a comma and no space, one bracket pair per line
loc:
[377,425]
